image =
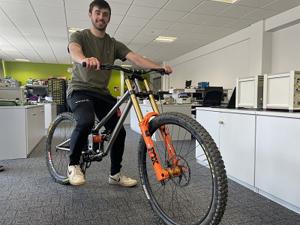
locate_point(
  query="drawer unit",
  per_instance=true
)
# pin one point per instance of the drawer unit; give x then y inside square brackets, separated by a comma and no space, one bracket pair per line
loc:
[282,91]
[249,92]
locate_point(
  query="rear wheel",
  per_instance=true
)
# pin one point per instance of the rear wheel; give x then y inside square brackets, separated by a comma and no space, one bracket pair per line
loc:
[199,194]
[58,146]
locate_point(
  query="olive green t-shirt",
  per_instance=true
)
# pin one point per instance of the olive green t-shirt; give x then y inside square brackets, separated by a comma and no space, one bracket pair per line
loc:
[106,49]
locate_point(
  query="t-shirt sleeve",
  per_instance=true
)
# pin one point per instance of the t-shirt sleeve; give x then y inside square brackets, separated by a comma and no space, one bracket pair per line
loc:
[121,51]
[76,37]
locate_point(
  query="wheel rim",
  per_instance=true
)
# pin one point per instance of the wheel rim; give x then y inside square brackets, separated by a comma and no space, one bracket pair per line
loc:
[188,201]
[58,148]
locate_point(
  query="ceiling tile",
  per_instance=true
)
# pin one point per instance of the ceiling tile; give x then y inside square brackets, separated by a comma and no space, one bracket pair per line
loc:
[119,8]
[196,19]
[183,27]
[47,3]
[142,39]
[159,24]
[169,15]
[210,8]
[127,2]
[151,3]
[134,21]
[260,14]
[240,23]
[236,11]
[82,5]
[219,21]
[281,5]
[181,5]
[254,3]
[142,11]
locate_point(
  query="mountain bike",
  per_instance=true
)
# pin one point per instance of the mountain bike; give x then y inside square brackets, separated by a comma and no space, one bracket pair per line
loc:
[180,167]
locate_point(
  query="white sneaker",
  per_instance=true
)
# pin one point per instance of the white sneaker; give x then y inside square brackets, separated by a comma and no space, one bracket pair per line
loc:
[75,175]
[122,180]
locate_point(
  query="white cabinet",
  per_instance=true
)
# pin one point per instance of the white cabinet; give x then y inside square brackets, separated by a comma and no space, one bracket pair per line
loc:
[234,135]
[260,150]
[278,157]
[50,113]
[22,127]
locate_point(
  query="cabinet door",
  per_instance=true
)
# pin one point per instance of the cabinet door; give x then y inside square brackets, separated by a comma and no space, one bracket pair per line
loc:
[35,126]
[210,121]
[12,133]
[278,158]
[237,145]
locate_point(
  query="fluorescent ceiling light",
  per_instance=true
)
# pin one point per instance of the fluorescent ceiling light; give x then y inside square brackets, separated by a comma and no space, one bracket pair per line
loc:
[126,65]
[74,29]
[226,1]
[165,39]
[23,60]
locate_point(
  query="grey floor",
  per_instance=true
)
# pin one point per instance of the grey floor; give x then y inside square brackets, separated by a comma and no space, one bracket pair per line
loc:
[29,196]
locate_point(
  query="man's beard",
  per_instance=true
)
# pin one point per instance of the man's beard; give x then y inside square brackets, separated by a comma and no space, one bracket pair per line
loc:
[99,28]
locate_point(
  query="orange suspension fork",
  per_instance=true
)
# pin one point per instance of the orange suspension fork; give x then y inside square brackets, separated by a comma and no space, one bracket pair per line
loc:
[165,134]
[161,174]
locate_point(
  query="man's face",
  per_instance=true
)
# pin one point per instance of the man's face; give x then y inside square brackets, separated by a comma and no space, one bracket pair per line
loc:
[100,18]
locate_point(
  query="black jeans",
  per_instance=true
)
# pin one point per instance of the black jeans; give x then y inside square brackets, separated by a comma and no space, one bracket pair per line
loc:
[85,105]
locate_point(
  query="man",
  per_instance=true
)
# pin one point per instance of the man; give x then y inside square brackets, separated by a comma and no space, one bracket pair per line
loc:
[88,93]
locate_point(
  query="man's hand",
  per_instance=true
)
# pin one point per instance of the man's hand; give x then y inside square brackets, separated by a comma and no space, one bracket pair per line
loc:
[167,69]
[92,63]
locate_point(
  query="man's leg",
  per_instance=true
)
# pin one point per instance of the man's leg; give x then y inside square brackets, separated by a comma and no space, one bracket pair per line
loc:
[117,150]
[1,168]
[83,111]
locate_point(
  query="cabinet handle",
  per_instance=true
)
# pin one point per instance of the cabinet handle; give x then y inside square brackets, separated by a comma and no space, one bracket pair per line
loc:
[221,122]
[42,110]
[34,114]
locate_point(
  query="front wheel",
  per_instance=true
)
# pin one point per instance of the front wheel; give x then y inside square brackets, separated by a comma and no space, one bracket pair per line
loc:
[198,196]
[58,146]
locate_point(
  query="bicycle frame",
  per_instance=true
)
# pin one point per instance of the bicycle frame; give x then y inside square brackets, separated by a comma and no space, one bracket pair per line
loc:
[130,95]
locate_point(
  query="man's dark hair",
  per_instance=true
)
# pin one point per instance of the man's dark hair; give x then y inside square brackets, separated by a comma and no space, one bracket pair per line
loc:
[101,4]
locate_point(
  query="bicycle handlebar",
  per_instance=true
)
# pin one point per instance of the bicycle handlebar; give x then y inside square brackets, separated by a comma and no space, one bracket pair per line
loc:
[126,70]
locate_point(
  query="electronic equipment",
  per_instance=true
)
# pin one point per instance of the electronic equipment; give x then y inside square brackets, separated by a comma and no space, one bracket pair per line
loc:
[231,102]
[188,83]
[213,96]
[249,92]
[203,85]
[282,91]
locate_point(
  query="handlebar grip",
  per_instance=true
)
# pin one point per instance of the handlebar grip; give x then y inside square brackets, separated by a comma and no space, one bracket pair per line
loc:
[102,66]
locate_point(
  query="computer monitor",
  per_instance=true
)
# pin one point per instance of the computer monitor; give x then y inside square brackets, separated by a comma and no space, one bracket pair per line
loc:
[213,96]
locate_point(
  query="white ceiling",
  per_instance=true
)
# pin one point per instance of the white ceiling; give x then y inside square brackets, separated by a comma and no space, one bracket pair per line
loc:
[38,29]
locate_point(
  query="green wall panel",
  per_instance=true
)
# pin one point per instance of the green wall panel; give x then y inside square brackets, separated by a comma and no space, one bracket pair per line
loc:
[22,71]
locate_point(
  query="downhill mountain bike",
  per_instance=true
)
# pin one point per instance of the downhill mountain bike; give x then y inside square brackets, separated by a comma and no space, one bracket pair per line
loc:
[180,167]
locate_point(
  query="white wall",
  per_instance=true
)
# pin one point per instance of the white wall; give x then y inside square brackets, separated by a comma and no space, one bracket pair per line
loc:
[286,49]
[268,46]
[219,67]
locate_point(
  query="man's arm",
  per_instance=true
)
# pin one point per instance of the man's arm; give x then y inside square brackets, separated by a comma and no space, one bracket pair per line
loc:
[145,63]
[78,57]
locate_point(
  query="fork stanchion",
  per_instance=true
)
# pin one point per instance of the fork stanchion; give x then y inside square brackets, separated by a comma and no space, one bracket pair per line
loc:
[151,97]
[134,100]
